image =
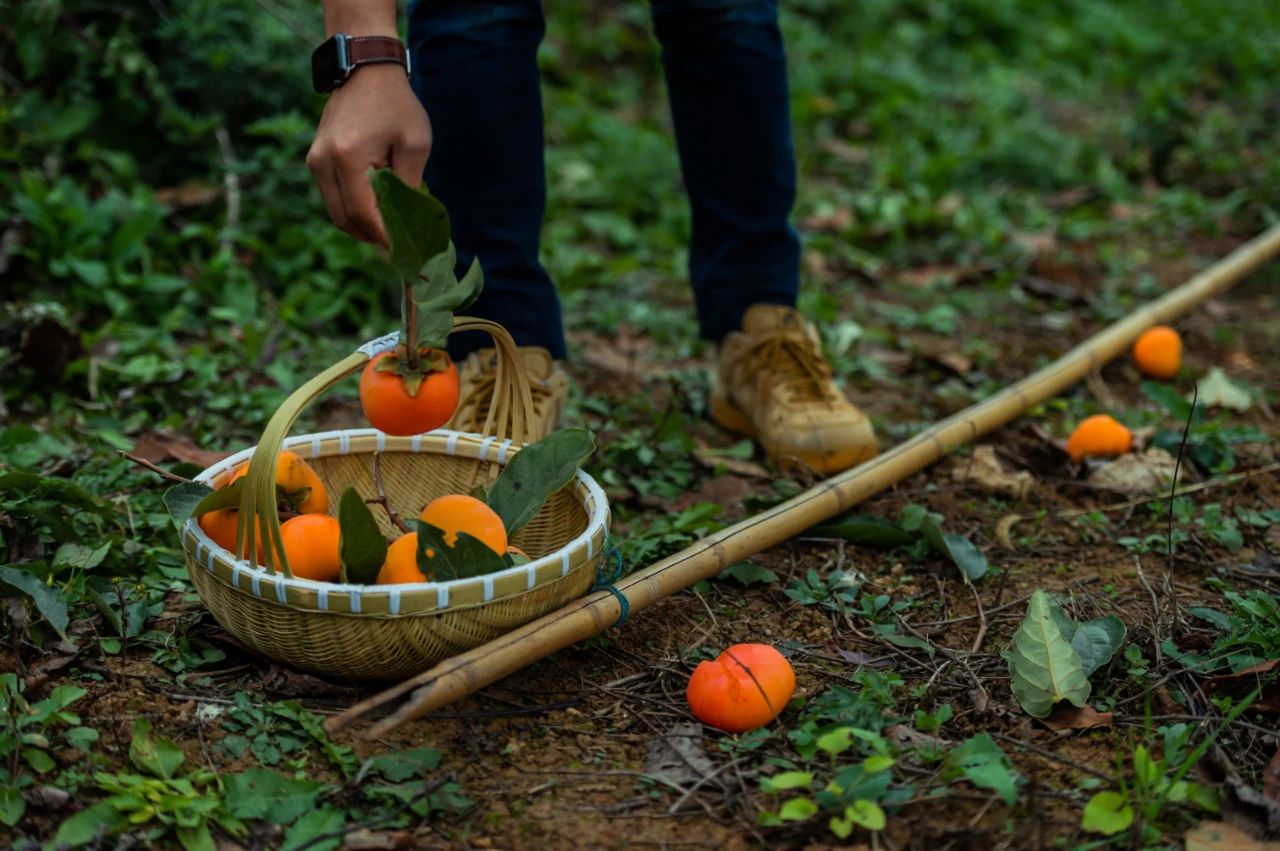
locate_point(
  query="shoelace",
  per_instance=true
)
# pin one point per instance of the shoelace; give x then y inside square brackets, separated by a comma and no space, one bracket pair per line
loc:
[791,364]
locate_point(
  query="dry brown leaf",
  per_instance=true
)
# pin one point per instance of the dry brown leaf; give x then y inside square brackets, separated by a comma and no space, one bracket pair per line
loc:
[910,737]
[1067,717]
[707,458]
[1244,681]
[984,471]
[1220,836]
[946,274]
[617,356]
[365,839]
[1150,473]
[1271,778]
[1004,531]
[191,193]
[158,446]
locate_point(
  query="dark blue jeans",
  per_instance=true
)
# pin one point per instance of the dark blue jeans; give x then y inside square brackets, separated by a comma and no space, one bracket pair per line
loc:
[475,71]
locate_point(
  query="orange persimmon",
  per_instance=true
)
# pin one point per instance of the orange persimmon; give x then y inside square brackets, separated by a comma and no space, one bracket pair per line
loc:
[1099,435]
[1158,352]
[746,687]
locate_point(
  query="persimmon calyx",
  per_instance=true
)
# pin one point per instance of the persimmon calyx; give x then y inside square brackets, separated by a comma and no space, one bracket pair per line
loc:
[429,362]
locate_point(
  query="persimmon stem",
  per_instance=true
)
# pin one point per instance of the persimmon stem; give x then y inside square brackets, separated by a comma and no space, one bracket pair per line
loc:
[410,326]
[381,498]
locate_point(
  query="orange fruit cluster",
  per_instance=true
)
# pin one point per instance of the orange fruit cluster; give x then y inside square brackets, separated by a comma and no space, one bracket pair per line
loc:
[451,514]
[745,687]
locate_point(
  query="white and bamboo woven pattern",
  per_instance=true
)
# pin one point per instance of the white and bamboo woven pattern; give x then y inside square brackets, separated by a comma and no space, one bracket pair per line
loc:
[392,631]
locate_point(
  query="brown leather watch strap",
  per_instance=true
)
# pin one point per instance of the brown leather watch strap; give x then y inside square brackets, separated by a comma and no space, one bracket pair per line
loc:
[368,49]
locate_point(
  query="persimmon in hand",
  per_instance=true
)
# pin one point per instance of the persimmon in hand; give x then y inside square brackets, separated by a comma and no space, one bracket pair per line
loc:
[401,401]
[746,687]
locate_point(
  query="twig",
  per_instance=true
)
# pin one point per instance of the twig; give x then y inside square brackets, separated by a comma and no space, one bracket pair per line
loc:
[381,498]
[159,471]
[231,182]
[982,620]
[1155,609]
[1050,755]
[1177,465]
[1189,489]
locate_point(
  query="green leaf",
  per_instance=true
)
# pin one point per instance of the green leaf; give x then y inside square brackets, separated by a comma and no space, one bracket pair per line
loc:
[536,472]
[866,531]
[749,574]
[866,814]
[81,738]
[48,602]
[225,497]
[417,224]
[434,329]
[469,557]
[260,793]
[1107,813]
[877,762]
[398,766]
[102,819]
[956,548]
[1218,391]
[181,500]
[313,824]
[196,837]
[798,809]
[786,780]
[159,756]
[1097,640]
[981,761]
[40,762]
[361,545]
[80,556]
[12,806]
[1043,666]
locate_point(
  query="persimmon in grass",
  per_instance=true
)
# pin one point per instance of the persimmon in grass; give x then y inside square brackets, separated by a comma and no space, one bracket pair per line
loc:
[1100,434]
[745,687]
[1158,352]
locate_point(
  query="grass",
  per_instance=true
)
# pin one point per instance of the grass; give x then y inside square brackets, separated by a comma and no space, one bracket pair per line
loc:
[981,183]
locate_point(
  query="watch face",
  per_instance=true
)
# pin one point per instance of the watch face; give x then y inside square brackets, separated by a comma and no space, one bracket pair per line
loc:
[327,67]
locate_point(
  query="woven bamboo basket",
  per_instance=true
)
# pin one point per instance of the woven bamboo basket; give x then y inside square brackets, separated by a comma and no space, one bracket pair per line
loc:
[379,632]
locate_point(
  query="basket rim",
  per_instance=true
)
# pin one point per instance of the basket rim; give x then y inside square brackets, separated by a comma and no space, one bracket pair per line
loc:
[455,443]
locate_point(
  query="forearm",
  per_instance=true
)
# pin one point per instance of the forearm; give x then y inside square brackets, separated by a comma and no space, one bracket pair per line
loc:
[360,17]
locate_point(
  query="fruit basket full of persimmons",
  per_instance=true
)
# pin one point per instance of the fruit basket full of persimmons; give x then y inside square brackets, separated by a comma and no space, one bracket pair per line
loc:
[375,553]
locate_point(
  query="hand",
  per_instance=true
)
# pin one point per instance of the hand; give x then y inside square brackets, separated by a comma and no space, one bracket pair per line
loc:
[374,120]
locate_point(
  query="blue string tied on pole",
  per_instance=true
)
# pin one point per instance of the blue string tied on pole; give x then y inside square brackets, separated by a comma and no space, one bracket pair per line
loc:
[608,571]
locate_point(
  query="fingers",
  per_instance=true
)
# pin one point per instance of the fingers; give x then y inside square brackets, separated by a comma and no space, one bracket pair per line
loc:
[358,201]
[321,171]
[409,155]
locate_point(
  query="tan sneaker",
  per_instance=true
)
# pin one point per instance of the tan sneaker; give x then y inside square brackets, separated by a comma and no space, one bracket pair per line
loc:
[773,384]
[547,380]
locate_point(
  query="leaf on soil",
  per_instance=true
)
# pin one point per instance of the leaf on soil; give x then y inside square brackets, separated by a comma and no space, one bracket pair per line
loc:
[678,756]
[417,224]
[1250,677]
[1107,813]
[749,574]
[909,737]
[715,460]
[309,826]
[1218,391]
[160,756]
[536,472]
[49,602]
[958,549]
[1148,474]
[159,446]
[182,499]
[1043,666]
[1067,717]
[468,557]
[981,761]
[984,470]
[866,531]
[361,545]
[398,766]
[260,793]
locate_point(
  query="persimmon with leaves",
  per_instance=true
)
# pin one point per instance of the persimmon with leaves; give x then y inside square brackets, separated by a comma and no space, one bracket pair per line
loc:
[401,399]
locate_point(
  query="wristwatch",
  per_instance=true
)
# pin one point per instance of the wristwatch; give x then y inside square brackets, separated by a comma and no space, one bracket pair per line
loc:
[335,60]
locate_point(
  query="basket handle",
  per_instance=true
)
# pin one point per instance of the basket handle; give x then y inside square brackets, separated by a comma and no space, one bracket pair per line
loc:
[510,415]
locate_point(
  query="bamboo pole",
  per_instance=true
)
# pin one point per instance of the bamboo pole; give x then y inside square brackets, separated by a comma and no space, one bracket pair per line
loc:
[468,672]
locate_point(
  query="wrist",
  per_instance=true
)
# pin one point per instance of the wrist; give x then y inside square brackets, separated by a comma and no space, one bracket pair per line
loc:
[339,57]
[360,17]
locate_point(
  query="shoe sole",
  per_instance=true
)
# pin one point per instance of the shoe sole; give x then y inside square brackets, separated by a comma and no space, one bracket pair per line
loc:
[730,416]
